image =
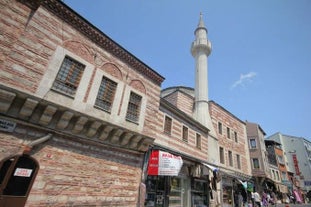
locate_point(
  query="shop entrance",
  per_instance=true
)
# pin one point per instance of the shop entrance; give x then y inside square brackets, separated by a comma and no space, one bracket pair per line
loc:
[164,191]
[17,175]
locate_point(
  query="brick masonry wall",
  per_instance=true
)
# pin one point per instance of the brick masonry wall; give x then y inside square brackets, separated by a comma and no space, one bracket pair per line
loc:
[218,114]
[175,142]
[77,174]
[29,41]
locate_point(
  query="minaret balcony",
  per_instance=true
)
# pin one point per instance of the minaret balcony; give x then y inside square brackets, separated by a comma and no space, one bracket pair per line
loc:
[201,45]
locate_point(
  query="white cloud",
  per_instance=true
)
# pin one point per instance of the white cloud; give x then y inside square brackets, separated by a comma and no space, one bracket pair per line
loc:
[243,79]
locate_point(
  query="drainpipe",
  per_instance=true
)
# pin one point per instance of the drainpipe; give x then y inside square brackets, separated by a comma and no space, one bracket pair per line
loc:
[28,147]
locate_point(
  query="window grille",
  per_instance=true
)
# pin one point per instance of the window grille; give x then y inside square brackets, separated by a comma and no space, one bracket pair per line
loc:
[106,93]
[133,109]
[69,76]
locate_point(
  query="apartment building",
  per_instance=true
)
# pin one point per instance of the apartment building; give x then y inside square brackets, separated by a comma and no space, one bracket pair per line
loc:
[258,155]
[297,154]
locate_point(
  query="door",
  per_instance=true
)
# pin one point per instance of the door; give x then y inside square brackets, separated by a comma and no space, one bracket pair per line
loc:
[17,175]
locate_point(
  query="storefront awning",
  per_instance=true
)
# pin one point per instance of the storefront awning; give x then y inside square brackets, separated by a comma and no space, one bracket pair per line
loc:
[234,174]
[282,188]
[164,163]
[213,168]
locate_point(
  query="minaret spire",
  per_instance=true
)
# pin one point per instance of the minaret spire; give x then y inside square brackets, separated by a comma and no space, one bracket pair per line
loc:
[201,48]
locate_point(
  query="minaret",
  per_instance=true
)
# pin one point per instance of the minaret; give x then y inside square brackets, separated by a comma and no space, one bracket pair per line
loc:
[200,49]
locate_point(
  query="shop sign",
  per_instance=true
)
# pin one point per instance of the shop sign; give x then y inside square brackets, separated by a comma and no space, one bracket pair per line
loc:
[7,126]
[164,163]
[22,172]
[296,164]
[307,182]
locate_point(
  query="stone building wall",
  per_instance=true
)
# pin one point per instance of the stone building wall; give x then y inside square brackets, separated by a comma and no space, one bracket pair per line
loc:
[237,146]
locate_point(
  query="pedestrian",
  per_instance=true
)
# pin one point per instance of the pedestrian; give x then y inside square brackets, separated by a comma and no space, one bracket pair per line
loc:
[257,199]
[264,199]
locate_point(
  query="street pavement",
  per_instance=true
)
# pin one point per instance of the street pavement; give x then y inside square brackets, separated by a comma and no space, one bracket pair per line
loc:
[291,205]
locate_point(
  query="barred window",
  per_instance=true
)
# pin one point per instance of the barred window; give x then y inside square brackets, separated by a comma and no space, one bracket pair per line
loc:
[106,93]
[133,108]
[185,134]
[167,125]
[69,76]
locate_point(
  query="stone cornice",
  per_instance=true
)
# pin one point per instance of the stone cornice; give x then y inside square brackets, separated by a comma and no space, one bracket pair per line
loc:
[94,34]
[26,109]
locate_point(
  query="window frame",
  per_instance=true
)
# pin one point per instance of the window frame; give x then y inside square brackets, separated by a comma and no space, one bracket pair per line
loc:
[230,158]
[105,101]
[133,115]
[238,161]
[236,137]
[253,163]
[198,141]
[219,127]
[67,82]
[250,143]
[221,155]
[228,133]
[185,133]
[168,123]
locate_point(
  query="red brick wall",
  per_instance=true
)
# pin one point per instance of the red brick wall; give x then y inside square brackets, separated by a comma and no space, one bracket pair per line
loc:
[73,173]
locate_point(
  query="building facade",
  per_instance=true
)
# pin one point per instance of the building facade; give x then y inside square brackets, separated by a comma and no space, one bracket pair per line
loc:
[297,151]
[258,155]
[233,154]
[77,111]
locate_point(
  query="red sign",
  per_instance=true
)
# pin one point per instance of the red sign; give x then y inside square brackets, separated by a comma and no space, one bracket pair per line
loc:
[296,164]
[164,163]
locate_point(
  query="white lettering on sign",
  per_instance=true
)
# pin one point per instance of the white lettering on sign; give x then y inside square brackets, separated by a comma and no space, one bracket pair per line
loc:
[22,172]
[7,126]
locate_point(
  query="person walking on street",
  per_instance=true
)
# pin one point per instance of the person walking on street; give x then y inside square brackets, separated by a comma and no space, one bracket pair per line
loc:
[257,199]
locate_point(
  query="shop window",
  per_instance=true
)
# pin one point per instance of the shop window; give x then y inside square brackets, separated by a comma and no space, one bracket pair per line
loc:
[199,193]
[155,186]
[69,76]
[133,108]
[106,93]
[167,125]
[221,155]
[230,158]
[185,134]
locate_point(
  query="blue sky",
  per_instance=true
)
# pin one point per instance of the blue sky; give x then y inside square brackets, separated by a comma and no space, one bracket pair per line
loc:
[260,65]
